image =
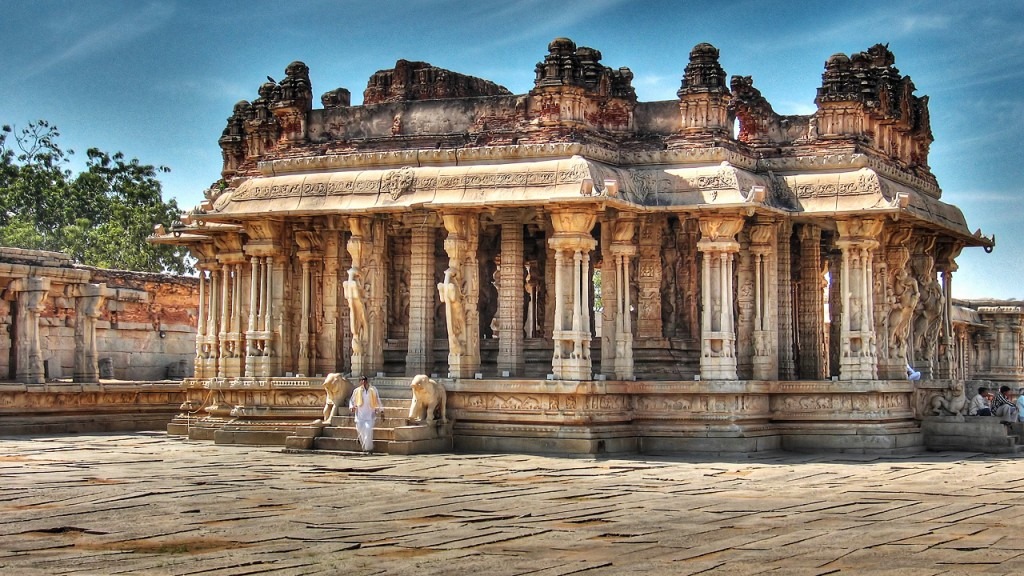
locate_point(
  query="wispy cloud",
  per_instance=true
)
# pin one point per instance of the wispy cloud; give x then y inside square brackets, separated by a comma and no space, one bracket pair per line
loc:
[133,24]
[540,19]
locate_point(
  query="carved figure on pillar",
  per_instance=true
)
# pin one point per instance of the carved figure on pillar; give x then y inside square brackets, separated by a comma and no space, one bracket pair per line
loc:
[450,291]
[905,297]
[355,294]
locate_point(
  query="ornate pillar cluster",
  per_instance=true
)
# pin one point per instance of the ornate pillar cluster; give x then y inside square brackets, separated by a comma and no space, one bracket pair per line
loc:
[89,299]
[649,304]
[765,295]
[510,300]
[901,297]
[572,244]
[30,299]
[621,252]
[718,247]
[460,293]
[310,255]
[229,308]
[207,347]
[259,333]
[810,307]
[858,241]
[927,323]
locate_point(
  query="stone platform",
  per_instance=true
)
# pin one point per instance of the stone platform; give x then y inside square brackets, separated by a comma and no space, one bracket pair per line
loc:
[567,417]
[153,504]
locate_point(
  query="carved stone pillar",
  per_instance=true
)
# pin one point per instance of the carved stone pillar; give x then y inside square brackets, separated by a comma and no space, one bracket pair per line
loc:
[460,293]
[510,300]
[834,296]
[228,335]
[261,356]
[787,368]
[927,325]
[649,305]
[572,244]
[207,348]
[30,294]
[375,272]
[718,247]
[255,338]
[743,266]
[609,304]
[762,251]
[89,299]
[329,360]
[622,251]
[309,256]
[810,306]
[419,357]
[946,264]
[858,355]
[902,297]
[355,290]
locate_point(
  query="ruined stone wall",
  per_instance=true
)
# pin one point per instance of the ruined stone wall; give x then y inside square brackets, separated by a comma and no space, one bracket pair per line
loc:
[145,329]
[149,329]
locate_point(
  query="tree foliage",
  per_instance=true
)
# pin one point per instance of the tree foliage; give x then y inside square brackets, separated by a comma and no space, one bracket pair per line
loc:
[99,217]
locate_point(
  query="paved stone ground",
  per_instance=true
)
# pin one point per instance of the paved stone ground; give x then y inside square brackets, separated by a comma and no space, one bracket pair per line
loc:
[152,504]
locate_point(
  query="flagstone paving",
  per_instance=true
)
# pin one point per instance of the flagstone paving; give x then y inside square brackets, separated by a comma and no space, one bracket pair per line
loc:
[152,504]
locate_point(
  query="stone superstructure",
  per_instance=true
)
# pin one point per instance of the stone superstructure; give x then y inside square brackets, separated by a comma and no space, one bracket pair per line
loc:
[589,272]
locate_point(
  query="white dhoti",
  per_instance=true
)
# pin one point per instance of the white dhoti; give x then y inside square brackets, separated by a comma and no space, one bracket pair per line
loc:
[364,428]
[365,404]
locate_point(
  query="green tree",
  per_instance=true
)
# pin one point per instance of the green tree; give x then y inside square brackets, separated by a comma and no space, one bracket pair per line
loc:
[99,217]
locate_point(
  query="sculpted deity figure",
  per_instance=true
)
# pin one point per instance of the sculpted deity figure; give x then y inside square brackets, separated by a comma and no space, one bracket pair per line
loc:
[905,297]
[928,322]
[356,296]
[450,291]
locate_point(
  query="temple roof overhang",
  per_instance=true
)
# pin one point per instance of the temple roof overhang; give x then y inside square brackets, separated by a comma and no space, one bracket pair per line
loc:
[673,180]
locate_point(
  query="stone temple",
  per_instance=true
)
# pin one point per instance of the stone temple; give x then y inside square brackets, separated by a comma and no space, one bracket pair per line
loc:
[584,272]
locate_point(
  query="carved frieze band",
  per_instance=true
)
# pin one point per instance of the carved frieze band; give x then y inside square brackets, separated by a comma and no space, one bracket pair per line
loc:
[404,180]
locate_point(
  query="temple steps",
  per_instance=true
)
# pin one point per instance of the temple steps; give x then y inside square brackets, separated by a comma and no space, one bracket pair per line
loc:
[972,434]
[392,434]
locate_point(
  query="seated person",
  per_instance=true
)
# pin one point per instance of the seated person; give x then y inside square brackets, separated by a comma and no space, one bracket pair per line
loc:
[1004,406]
[912,375]
[979,405]
[1020,405]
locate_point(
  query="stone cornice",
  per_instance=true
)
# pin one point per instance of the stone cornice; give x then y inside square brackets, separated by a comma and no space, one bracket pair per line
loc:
[519,152]
[848,162]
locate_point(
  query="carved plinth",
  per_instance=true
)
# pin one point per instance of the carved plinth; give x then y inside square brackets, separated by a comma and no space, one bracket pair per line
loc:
[718,356]
[857,360]
[571,359]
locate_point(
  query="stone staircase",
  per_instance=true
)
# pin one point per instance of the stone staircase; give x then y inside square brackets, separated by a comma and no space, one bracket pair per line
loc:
[392,434]
[972,434]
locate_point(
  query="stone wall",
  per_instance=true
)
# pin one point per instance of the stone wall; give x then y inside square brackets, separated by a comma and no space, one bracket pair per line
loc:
[144,327]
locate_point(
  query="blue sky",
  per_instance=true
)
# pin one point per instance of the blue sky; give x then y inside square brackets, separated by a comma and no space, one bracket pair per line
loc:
[157,79]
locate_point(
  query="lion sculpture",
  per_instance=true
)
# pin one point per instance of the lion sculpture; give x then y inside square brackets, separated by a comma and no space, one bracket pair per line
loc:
[427,397]
[951,402]
[338,390]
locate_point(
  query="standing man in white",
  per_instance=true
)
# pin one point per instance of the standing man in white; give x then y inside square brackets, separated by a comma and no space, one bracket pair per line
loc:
[365,405]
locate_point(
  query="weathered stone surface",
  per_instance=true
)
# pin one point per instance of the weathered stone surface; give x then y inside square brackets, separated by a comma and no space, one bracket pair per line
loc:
[150,504]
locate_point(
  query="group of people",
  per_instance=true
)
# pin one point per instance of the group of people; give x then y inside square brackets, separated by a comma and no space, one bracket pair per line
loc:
[1007,404]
